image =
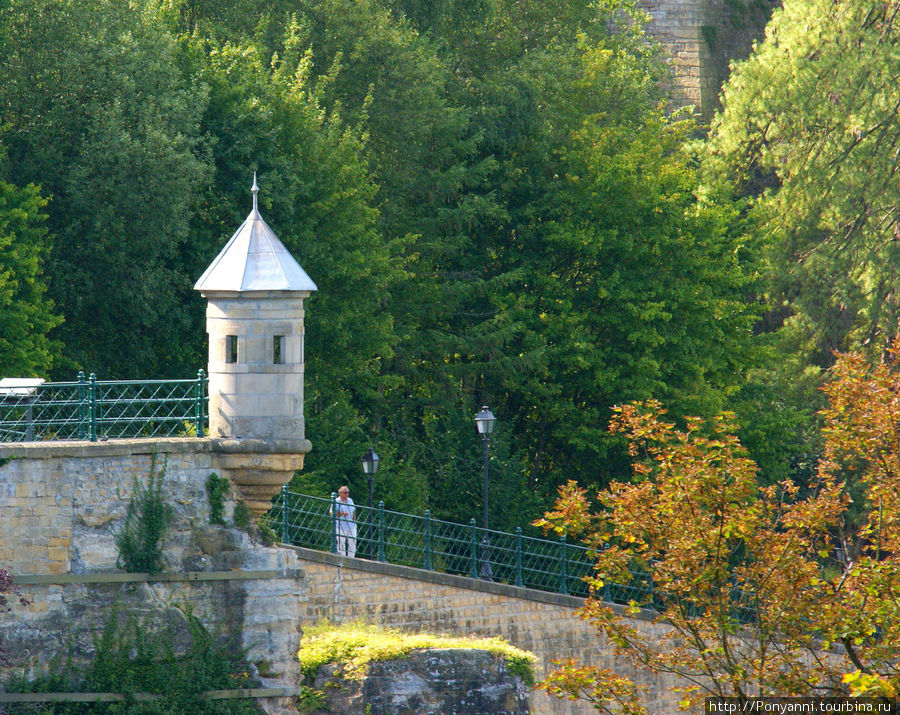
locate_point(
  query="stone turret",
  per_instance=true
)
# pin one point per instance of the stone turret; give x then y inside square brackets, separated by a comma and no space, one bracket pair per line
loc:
[254,317]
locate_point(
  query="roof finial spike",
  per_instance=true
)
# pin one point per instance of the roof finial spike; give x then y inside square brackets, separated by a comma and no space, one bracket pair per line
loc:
[255,191]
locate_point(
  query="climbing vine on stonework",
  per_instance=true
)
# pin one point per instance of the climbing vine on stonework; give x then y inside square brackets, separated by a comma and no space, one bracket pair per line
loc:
[140,540]
[8,585]
[216,491]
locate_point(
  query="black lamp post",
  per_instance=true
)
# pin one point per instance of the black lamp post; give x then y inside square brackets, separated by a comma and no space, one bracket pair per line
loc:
[484,422]
[370,466]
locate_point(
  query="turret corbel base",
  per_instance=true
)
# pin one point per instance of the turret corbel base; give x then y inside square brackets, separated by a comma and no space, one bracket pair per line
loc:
[258,469]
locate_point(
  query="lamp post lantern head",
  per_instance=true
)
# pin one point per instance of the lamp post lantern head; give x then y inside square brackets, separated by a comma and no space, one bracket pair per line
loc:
[370,462]
[484,421]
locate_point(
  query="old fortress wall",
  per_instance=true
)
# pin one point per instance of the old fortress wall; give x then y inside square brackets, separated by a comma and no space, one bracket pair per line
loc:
[677,23]
[61,505]
[701,38]
[60,501]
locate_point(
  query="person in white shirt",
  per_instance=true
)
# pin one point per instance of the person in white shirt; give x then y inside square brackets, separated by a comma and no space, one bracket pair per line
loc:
[345,523]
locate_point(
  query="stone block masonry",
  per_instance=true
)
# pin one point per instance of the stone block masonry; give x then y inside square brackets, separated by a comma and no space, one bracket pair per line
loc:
[700,40]
[61,505]
[344,590]
[59,500]
[676,24]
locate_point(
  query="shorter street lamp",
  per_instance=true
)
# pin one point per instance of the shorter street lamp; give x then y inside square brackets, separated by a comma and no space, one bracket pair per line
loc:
[484,422]
[370,466]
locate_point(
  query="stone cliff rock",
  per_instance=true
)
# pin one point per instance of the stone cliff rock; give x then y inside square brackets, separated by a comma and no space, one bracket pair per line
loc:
[435,681]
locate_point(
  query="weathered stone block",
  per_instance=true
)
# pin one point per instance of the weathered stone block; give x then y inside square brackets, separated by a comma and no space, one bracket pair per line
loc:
[289,428]
[429,682]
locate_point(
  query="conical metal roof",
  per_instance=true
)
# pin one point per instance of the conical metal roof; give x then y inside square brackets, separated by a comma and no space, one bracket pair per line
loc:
[254,259]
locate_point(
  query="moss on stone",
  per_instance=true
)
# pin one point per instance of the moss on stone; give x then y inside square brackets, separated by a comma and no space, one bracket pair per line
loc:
[355,645]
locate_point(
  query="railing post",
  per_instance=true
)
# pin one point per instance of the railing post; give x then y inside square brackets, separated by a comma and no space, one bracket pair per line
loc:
[428,539]
[285,535]
[563,576]
[82,409]
[519,580]
[381,530]
[92,392]
[473,549]
[334,522]
[198,405]
[29,419]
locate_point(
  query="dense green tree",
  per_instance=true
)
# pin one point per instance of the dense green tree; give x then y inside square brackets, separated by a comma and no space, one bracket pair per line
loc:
[635,291]
[628,283]
[560,260]
[809,131]
[807,139]
[26,314]
[478,346]
[95,110]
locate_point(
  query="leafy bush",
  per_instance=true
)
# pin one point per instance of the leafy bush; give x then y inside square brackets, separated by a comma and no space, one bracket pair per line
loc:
[311,699]
[243,517]
[357,645]
[140,540]
[266,532]
[216,490]
[131,658]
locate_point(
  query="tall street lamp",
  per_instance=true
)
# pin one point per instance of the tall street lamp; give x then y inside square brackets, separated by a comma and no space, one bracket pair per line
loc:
[484,422]
[370,466]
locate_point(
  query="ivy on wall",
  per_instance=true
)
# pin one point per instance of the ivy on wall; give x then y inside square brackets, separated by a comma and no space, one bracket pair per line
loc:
[140,539]
[132,657]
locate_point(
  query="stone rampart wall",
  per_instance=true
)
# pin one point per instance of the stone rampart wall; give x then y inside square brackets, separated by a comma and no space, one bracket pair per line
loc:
[344,590]
[701,38]
[61,505]
[59,501]
[676,24]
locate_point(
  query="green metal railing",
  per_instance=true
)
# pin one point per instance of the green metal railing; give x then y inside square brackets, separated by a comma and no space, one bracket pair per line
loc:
[435,545]
[92,409]
[428,543]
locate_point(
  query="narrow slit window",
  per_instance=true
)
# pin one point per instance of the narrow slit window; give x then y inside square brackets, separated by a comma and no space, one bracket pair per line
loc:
[278,350]
[231,348]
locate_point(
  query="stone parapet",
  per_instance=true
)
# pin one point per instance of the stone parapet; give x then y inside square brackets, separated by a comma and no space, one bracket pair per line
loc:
[61,505]
[108,448]
[58,499]
[343,590]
